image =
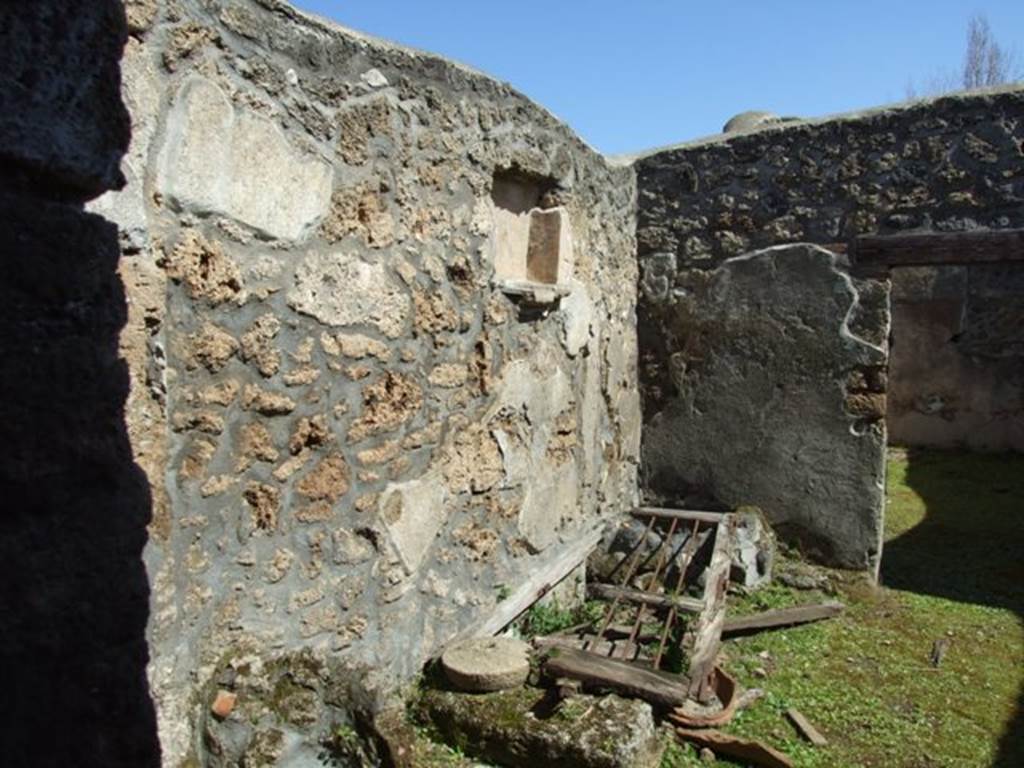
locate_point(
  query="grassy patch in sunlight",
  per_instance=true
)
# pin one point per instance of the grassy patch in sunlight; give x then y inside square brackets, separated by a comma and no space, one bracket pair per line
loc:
[953,569]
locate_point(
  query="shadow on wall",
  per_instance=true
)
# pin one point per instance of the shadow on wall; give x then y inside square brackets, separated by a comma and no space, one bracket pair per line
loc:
[74,596]
[968,547]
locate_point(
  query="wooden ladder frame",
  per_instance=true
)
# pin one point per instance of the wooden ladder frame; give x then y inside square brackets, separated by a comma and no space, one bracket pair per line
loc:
[703,640]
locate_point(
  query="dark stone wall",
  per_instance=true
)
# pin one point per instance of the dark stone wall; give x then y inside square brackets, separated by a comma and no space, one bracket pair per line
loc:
[74,594]
[953,164]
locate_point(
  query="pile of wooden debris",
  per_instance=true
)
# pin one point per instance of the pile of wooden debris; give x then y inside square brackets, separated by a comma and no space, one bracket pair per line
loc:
[663,583]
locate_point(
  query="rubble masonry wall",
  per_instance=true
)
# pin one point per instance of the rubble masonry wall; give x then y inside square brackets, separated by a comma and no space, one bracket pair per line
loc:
[356,442]
[740,405]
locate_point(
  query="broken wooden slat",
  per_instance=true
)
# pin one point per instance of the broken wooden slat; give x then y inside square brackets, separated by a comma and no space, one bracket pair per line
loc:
[538,585]
[609,592]
[707,634]
[652,583]
[604,648]
[658,688]
[782,617]
[750,751]
[689,550]
[937,248]
[679,514]
[634,563]
[939,649]
[619,631]
[807,730]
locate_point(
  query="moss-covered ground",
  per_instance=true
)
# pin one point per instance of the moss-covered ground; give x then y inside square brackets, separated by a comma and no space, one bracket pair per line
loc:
[953,569]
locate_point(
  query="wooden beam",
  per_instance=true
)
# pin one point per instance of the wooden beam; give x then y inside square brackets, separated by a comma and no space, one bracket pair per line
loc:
[783,617]
[749,751]
[605,648]
[806,728]
[707,634]
[544,578]
[938,248]
[611,592]
[596,672]
[679,514]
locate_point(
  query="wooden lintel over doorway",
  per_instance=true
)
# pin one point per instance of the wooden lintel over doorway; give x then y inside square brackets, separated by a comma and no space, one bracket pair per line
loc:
[937,248]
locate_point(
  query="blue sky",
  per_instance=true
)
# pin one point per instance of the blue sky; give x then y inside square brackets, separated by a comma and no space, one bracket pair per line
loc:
[633,75]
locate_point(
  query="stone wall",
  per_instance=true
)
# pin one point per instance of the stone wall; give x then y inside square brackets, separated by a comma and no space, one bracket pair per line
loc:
[704,211]
[956,367]
[356,439]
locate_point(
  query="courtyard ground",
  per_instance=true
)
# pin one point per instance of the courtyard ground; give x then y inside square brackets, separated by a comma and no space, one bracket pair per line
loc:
[953,569]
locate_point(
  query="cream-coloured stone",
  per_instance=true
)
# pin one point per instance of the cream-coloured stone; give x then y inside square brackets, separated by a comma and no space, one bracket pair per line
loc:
[126,207]
[374,78]
[359,346]
[623,396]
[577,313]
[532,246]
[216,159]
[550,500]
[413,513]
[592,416]
[539,390]
[449,375]
[341,290]
[525,384]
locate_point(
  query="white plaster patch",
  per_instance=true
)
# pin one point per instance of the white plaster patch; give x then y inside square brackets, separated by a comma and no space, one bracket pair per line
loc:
[577,313]
[126,207]
[374,78]
[340,290]
[592,416]
[549,501]
[216,159]
[413,513]
[543,397]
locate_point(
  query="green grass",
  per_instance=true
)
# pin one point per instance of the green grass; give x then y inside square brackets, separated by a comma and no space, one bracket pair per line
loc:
[953,567]
[546,618]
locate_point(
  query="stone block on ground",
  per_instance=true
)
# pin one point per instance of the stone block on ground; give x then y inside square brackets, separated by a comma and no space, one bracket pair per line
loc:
[754,552]
[585,732]
[487,663]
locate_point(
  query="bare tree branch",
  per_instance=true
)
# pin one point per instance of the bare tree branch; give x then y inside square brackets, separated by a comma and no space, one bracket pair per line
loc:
[986,63]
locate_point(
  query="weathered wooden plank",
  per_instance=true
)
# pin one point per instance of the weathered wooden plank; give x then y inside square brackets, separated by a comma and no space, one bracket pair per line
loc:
[707,634]
[539,584]
[596,672]
[666,545]
[938,248]
[604,648]
[747,750]
[782,617]
[807,730]
[679,514]
[611,592]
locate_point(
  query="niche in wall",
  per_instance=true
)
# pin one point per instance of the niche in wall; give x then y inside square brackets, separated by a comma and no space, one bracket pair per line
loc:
[531,246]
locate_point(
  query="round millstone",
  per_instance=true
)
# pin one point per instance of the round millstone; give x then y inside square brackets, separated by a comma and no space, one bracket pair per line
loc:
[487,664]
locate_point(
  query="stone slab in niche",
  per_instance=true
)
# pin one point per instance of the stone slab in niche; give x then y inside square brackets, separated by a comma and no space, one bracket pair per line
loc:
[531,246]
